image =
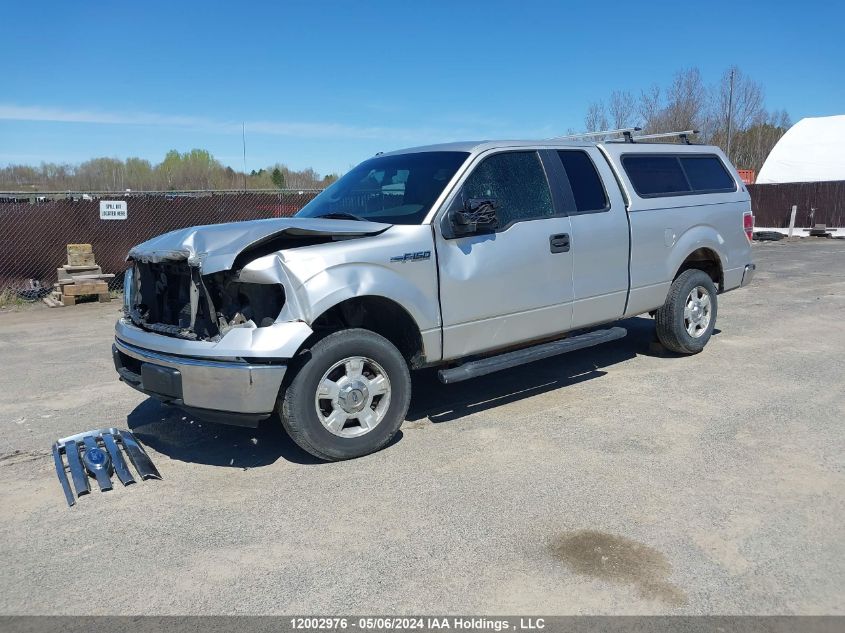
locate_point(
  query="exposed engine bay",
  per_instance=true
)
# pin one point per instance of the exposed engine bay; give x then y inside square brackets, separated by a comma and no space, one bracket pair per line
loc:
[173,298]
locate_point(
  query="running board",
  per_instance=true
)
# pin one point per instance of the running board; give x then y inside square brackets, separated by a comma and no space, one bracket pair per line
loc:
[507,360]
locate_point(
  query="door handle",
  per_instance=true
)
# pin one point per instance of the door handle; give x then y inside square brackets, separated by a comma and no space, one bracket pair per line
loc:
[559,243]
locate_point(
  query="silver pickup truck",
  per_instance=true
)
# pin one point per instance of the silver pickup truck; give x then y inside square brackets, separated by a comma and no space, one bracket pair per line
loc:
[473,257]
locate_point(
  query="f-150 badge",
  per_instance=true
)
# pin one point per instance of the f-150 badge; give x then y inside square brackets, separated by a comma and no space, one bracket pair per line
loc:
[412,257]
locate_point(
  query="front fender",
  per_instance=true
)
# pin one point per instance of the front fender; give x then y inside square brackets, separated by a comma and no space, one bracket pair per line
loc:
[319,277]
[346,281]
[271,270]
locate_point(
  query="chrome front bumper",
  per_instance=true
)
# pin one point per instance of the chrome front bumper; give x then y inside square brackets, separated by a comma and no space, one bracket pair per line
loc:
[226,391]
[748,274]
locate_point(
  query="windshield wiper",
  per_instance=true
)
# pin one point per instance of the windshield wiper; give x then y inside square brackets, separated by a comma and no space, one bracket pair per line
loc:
[340,215]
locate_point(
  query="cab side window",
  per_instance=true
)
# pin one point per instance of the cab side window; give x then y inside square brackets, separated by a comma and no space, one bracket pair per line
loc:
[587,187]
[516,181]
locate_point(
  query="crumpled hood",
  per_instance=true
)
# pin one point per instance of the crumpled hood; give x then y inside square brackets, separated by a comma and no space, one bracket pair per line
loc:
[214,247]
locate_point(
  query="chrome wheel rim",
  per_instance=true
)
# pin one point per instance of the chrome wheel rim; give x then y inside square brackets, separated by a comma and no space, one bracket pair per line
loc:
[698,311]
[353,397]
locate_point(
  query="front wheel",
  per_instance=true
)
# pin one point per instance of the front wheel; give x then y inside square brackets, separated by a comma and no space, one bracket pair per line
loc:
[686,321]
[349,398]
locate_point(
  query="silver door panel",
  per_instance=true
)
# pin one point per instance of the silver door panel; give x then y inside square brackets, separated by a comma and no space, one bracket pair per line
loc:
[498,332]
[503,275]
[599,309]
[600,255]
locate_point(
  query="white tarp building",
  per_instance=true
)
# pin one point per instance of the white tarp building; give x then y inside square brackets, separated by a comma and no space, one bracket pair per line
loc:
[812,150]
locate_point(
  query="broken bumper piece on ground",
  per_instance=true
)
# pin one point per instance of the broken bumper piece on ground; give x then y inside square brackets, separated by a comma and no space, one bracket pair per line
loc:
[97,454]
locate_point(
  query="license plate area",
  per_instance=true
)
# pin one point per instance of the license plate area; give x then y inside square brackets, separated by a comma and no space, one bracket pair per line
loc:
[164,381]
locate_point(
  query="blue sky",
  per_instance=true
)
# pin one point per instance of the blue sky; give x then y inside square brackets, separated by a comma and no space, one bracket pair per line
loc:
[328,84]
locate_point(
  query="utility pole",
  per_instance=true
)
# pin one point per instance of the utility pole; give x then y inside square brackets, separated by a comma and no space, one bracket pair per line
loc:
[243,139]
[730,111]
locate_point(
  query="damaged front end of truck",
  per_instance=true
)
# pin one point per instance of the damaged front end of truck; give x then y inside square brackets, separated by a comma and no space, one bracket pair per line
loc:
[174,298]
[192,284]
[213,314]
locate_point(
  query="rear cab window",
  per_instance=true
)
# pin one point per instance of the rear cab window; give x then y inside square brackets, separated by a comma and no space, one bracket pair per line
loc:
[662,175]
[707,174]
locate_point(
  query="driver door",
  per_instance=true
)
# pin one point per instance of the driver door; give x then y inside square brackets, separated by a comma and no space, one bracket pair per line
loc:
[512,284]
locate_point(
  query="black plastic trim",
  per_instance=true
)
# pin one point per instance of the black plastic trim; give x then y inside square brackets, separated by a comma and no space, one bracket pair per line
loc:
[229,418]
[562,197]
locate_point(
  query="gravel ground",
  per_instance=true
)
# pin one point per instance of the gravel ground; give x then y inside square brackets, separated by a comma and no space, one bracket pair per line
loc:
[610,480]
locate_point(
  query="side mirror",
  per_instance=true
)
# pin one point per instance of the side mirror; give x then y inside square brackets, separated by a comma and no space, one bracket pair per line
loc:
[477,215]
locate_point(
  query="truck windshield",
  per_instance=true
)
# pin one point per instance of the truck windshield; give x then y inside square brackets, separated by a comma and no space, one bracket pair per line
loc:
[397,189]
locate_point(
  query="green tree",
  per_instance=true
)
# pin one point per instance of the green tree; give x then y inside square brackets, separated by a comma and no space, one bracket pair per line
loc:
[178,171]
[101,174]
[196,169]
[139,174]
[169,169]
[278,178]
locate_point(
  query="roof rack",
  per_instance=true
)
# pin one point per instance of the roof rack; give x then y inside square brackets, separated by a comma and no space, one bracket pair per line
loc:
[683,136]
[626,133]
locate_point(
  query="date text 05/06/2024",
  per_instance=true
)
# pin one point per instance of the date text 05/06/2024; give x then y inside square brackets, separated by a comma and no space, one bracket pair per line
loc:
[419,623]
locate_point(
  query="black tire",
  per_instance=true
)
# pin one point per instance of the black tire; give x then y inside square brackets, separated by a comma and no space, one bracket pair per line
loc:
[299,412]
[671,329]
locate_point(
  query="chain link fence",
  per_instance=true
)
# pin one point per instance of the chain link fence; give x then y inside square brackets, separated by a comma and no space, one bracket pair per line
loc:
[35,228]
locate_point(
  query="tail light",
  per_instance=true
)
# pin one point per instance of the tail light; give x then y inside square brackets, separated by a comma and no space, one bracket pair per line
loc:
[748,225]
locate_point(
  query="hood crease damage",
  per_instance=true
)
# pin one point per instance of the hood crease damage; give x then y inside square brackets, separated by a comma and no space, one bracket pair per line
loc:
[215,247]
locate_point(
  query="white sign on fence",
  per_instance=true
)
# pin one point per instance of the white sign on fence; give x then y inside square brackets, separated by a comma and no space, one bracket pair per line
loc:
[113,210]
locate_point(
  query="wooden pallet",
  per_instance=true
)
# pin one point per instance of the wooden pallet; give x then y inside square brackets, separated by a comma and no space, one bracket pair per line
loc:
[76,279]
[71,291]
[67,271]
[80,277]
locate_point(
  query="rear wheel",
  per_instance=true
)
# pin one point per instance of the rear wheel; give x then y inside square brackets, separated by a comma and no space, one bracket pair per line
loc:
[686,321]
[349,398]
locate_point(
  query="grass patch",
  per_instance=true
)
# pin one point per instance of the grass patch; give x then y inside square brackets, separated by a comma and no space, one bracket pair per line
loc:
[10,299]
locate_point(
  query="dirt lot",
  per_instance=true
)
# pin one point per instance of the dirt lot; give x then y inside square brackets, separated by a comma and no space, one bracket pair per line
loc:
[607,481]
